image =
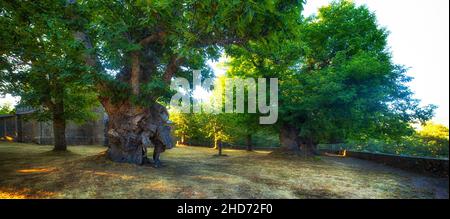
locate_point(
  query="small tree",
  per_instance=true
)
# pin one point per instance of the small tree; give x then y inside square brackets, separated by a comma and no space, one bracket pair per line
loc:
[186,125]
[217,127]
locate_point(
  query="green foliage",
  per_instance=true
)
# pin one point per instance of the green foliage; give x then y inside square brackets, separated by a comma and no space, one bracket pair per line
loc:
[38,41]
[337,80]
[187,127]
[6,109]
[196,31]
[431,140]
[436,138]
[41,61]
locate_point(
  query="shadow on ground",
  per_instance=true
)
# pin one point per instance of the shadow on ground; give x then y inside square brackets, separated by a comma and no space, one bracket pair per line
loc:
[31,171]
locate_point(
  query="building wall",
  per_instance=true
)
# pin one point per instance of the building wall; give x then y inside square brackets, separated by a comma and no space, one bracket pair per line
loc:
[23,129]
[7,126]
[424,165]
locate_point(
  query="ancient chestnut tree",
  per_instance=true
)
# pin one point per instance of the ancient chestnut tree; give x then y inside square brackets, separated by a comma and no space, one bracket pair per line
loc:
[132,50]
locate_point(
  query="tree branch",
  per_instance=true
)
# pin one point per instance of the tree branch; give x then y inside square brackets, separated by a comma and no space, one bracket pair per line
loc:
[91,60]
[152,38]
[172,67]
[222,42]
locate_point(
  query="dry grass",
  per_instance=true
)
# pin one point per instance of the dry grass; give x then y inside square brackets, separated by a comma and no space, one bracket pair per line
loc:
[31,171]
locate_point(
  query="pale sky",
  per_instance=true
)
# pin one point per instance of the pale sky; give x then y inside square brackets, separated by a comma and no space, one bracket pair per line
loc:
[419,39]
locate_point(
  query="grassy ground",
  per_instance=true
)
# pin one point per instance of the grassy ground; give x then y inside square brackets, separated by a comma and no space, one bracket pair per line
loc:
[31,171]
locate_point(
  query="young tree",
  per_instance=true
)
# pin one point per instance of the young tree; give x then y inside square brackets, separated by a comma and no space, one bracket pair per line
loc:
[217,127]
[40,62]
[186,125]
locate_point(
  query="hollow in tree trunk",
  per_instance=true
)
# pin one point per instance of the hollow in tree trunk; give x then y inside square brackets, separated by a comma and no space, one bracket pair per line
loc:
[308,147]
[132,129]
[289,139]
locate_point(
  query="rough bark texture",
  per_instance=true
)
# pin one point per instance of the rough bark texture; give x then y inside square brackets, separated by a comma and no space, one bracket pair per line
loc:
[290,141]
[308,147]
[131,130]
[59,127]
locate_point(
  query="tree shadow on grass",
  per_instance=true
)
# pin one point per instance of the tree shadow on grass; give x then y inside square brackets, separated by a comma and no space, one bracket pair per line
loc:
[317,194]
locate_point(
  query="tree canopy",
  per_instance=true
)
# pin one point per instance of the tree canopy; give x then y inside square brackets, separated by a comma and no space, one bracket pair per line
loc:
[337,79]
[127,52]
[40,62]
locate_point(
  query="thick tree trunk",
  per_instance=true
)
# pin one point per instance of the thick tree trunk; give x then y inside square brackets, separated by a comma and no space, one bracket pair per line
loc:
[59,127]
[289,139]
[132,129]
[249,142]
[308,147]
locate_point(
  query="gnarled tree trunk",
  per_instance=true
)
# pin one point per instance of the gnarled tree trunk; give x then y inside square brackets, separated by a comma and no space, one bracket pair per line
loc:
[308,147]
[132,129]
[290,141]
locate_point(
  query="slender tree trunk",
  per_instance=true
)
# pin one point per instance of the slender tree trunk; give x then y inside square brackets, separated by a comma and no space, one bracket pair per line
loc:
[289,139]
[249,142]
[183,139]
[219,144]
[59,127]
[216,141]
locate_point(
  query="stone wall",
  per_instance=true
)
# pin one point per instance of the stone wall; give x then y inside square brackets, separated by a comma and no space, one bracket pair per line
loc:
[431,166]
[23,129]
[7,126]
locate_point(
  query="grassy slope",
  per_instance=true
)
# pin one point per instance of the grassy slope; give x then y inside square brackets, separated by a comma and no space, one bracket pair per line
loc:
[30,171]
